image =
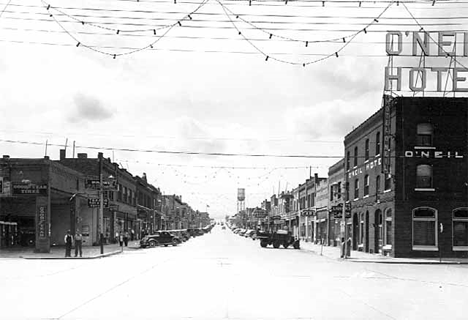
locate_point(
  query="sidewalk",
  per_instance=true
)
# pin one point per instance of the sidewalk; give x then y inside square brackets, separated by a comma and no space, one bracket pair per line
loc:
[363,257]
[58,252]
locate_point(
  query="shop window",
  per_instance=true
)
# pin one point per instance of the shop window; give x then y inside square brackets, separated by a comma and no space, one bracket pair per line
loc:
[361,229]
[366,185]
[460,229]
[424,135]
[366,150]
[424,176]
[355,156]
[388,226]
[424,228]
[377,143]
[356,189]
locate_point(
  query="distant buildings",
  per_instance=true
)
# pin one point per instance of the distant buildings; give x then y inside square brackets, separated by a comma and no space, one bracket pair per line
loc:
[40,199]
[403,183]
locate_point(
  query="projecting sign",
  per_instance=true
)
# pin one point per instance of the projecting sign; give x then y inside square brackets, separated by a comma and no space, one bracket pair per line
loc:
[94,202]
[435,45]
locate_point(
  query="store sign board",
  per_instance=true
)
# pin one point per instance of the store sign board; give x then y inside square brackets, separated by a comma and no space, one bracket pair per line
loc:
[29,189]
[432,76]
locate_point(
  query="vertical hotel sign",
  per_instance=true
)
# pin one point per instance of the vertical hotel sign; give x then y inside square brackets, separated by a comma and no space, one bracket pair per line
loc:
[387,134]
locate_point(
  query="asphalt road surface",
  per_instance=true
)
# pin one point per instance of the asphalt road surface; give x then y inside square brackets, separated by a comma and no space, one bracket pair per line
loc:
[224,276]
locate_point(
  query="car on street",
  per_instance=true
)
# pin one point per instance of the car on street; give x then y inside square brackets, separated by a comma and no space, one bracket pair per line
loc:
[159,238]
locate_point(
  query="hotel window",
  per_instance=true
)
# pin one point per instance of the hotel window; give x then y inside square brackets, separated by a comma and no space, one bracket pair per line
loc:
[355,156]
[424,228]
[388,226]
[348,156]
[356,189]
[339,190]
[424,135]
[366,150]
[424,176]
[388,181]
[377,184]
[377,143]
[366,185]
[460,229]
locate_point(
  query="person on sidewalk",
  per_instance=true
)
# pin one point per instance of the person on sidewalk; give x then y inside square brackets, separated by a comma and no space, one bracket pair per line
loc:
[68,244]
[78,243]
[121,239]
[125,238]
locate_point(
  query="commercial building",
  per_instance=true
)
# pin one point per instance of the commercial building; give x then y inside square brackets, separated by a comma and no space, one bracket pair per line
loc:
[407,176]
[36,203]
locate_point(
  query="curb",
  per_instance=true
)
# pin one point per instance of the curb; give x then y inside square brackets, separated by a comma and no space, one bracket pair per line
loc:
[389,261]
[74,258]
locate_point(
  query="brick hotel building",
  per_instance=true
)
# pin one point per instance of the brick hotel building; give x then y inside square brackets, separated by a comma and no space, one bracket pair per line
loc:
[406,177]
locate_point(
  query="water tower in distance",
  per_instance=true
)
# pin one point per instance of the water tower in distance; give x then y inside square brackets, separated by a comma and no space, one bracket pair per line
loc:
[240,200]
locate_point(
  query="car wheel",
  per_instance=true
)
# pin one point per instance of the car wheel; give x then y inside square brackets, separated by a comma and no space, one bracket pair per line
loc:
[276,244]
[152,243]
[285,245]
[263,243]
[175,242]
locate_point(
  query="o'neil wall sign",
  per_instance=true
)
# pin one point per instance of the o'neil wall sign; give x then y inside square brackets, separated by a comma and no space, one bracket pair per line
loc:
[447,51]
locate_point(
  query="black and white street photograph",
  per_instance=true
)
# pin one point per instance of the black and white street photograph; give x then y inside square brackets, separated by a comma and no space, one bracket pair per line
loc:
[233,159]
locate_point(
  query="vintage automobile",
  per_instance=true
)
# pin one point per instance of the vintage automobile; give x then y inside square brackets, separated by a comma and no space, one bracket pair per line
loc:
[159,238]
[278,238]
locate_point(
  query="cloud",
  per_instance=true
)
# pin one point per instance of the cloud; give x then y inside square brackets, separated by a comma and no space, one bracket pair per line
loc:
[197,137]
[331,119]
[88,108]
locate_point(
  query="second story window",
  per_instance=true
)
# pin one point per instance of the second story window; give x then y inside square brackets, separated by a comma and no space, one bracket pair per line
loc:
[377,143]
[366,185]
[348,160]
[366,154]
[424,176]
[424,135]
[356,189]
[388,181]
[377,185]
[339,190]
[355,156]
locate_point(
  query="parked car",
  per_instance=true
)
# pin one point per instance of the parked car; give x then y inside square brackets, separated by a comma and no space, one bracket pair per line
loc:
[159,238]
[249,233]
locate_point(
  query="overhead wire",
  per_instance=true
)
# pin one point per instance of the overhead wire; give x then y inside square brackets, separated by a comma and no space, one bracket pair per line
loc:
[181,152]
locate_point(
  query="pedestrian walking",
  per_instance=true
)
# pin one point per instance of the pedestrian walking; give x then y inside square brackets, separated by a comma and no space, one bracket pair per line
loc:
[121,239]
[78,243]
[125,238]
[68,244]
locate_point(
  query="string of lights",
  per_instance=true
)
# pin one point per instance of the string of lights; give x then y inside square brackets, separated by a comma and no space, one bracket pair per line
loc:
[115,54]
[222,167]
[5,7]
[306,42]
[335,54]
[449,54]
[152,30]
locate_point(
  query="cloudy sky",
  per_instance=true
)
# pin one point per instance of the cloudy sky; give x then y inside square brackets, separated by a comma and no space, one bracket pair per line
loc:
[225,77]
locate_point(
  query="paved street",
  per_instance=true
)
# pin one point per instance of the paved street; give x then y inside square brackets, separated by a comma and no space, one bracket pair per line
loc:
[224,276]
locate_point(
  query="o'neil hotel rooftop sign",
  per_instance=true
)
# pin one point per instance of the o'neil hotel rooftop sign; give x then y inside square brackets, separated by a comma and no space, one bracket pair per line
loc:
[447,70]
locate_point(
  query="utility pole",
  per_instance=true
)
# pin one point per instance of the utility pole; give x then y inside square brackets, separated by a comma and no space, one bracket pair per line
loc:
[101,207]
